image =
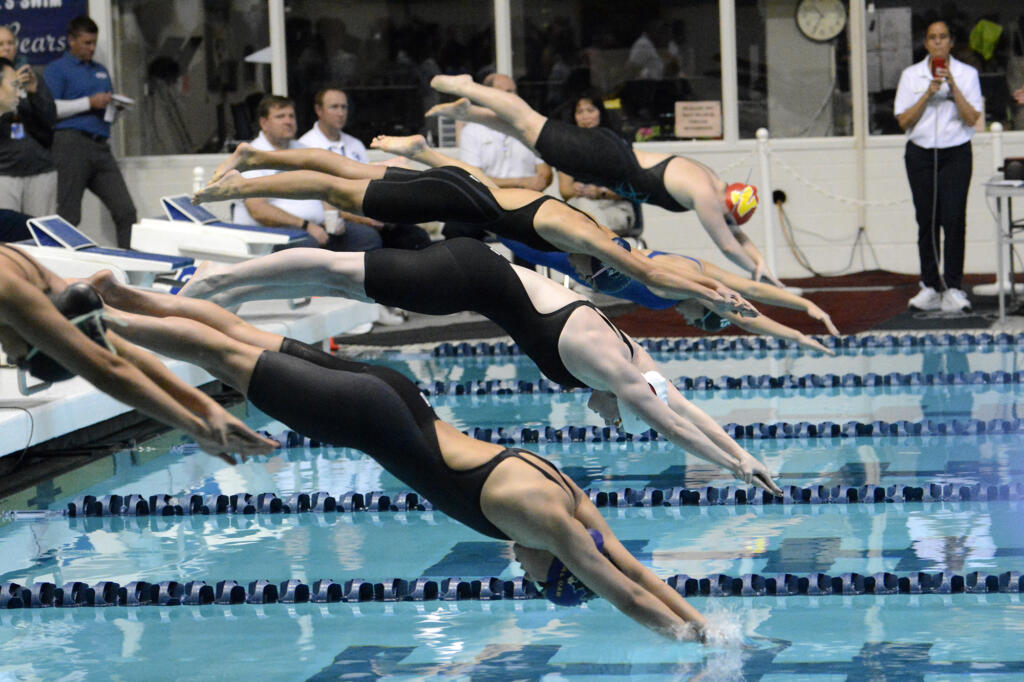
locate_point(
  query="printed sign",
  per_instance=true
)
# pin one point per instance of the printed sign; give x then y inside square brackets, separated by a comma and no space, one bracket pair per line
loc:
[699,119]
[41,26]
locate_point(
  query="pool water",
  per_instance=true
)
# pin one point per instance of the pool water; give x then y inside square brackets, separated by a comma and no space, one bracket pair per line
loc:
[897,636]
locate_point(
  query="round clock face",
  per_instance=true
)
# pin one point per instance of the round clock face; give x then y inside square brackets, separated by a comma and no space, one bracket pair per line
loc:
[821,19]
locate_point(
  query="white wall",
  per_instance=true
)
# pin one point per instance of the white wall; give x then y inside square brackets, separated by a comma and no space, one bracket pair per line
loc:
[826,163]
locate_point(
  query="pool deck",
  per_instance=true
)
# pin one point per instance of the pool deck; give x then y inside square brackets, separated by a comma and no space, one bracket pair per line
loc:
[75,404]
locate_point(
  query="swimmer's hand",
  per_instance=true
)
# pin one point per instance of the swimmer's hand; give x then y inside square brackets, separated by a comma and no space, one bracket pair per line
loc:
[219,432]
[753,472]
[816,313]
[809,343]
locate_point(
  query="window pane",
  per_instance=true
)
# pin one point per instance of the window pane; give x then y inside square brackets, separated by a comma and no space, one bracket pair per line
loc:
[383,54]
[987,34]
[184,64]
[793,84]
[647,57]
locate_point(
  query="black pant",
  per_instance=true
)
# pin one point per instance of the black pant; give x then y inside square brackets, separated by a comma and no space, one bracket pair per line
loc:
[86,163]
[951,176]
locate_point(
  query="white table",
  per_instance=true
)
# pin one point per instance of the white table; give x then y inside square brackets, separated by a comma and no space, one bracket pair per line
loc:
[1004,224]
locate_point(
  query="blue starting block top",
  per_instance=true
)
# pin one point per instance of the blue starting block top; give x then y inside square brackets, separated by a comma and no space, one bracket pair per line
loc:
[53,231]
[180,208]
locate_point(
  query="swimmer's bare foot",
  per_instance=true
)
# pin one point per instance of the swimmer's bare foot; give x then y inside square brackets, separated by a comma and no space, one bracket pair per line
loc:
[221,189]
[456,110]
[452,85]
[408,146]
[239,160]
[199,285]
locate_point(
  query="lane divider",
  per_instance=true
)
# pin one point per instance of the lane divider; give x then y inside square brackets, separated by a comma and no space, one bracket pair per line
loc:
[380,501]
[745,381]
[292,591]
[752,343]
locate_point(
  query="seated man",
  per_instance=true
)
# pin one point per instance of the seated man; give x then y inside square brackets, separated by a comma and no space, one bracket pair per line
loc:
[331,107]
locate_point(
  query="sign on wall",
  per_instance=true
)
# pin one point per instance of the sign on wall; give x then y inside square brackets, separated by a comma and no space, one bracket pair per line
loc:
[699,119]
[41,26]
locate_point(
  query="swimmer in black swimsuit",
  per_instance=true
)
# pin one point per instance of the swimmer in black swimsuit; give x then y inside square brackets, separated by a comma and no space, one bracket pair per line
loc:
[33,329]
[509,494]
[452,193]
[598,156]
[571,341]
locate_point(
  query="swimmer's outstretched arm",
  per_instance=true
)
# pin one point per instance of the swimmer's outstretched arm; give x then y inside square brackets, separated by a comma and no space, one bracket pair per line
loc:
[766,326]
[537,518]
[147,386]
[708,207]
[773,295]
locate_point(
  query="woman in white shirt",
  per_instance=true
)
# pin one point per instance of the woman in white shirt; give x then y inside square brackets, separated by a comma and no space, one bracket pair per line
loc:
[938,101]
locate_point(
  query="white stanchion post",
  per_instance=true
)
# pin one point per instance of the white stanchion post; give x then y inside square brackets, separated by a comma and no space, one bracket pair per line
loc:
[765,202]
[198,178]
[1002,282]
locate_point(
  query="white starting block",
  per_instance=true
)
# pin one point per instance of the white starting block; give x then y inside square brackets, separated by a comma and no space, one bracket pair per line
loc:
[193,231]
[61,247]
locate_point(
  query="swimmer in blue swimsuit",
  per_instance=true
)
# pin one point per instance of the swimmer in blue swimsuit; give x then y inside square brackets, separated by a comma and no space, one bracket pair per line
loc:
[451,192]
[695,314]
[561,539]
[571,341]
[37,334]
[600,157]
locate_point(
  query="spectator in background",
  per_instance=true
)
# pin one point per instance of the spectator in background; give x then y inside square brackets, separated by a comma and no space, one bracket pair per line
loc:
[83,93]
[164,130]
[506,160]
[28,179]
[937,106]
[606,207]
[1018,96]
[332,108]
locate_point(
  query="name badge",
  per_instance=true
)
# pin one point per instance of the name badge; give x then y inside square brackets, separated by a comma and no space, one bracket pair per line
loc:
[17,131]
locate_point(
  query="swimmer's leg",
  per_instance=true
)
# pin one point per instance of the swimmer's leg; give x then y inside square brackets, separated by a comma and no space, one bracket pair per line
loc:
[246,157]
[508,107]
[415,147]
[302,184]
[293,273]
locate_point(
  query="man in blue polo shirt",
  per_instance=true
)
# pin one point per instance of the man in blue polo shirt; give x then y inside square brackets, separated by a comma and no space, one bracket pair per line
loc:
[82,91]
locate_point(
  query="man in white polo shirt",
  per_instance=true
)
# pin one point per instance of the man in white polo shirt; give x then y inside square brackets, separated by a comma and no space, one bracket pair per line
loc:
[506,160]
[938,101]
[332,107]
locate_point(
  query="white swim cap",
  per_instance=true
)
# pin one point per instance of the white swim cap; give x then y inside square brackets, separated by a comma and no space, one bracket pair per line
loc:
[631,422]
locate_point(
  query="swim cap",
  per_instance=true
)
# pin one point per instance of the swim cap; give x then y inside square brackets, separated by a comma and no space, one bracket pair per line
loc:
[711,321]
[630,420]
[741,201]
[564,588]
[82,305]
[607,279]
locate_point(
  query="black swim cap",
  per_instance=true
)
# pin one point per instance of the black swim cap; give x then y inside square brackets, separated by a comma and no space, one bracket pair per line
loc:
[711,322]
[81,304]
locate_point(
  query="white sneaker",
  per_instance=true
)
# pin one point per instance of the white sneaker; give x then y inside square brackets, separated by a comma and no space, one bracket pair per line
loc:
[955,301]
[388,318]
[926,299]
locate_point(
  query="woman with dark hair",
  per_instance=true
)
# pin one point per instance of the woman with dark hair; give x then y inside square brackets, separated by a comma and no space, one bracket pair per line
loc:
[561,539]
[607,207]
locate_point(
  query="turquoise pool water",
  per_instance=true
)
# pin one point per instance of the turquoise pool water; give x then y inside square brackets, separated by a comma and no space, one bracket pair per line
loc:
[898,636]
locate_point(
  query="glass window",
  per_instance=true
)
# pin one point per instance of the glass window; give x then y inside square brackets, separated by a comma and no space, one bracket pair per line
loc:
[383,55]
[987,34]
[793,71]
[184,64]
[640,62]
